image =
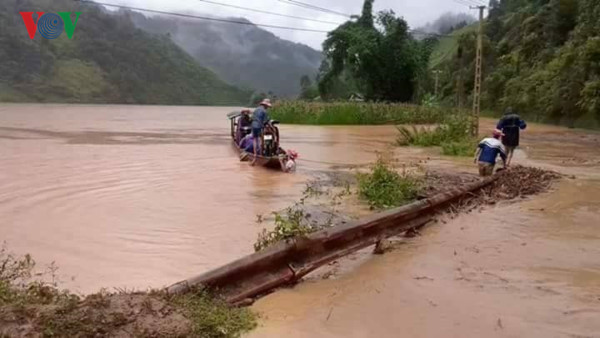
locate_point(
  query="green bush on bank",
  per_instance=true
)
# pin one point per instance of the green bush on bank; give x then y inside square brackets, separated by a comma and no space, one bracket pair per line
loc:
[357,113]
[295,221]
[453,136]
[291,223]
[383,187]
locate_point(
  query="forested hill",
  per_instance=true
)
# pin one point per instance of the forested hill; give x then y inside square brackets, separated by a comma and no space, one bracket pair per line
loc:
[240,54]
[541,57]
[108,60]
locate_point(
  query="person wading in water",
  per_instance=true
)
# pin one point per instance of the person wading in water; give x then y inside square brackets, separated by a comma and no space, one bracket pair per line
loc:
[487,152]
[510,124]
[259,118]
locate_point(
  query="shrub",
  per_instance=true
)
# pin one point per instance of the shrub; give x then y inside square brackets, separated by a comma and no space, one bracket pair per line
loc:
[452,136]
[383,187]
[295,222]
[291,223]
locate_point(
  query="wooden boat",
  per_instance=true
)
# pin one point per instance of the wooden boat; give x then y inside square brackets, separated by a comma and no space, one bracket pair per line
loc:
[274,160]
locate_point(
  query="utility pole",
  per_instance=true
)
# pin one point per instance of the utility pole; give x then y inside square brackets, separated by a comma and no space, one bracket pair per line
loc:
[477,87]
[460,86]
[437,81]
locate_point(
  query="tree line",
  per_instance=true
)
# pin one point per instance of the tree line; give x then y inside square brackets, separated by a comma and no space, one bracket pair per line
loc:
[541,57]
[373,55]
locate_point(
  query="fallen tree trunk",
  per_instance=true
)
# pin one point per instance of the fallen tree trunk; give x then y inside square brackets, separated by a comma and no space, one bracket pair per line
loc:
[287,262]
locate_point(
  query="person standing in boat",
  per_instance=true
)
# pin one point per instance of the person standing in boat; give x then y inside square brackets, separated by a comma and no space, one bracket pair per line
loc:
[510,124]
[259,119]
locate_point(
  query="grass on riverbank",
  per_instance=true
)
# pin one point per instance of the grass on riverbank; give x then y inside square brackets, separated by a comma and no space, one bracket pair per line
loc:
[34,308]
[358,113]
[453,136]
[298,220]
[383,187]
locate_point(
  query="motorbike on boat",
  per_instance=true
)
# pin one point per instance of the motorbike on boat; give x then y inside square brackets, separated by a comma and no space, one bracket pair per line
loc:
[271,154]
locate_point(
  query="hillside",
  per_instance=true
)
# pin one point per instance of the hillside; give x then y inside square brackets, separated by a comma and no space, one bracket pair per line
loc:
[241,55]
[541,57]
[108,60]
[447,47]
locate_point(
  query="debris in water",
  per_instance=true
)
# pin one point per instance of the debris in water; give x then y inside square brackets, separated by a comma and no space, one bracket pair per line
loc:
[516,182]
[423,278]
[499,324]
[382,247]
[520,181]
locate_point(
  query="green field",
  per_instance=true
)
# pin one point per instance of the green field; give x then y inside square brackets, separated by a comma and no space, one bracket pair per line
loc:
[355,113]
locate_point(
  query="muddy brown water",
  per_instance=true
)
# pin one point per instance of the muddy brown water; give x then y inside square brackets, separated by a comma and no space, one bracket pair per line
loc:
[137,197]
[526,269]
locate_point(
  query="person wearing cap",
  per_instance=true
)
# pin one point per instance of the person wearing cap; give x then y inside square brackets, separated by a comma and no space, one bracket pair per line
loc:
[510,124]
[487,152]
[259,119]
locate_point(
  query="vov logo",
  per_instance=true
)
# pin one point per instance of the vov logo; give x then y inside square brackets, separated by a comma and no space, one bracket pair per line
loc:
[50,25]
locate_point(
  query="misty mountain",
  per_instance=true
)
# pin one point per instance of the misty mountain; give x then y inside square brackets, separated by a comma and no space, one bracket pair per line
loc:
[448,22]
[245,56]
[108,60]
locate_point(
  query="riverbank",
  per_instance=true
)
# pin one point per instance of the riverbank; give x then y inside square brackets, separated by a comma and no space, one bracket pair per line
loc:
[514,269]
[32,305]
[373,113]
[358,113]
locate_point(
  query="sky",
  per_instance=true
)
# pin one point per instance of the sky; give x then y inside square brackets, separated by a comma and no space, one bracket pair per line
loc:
[415,12]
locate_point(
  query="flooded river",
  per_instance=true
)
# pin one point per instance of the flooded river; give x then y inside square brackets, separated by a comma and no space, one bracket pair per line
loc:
[137,197]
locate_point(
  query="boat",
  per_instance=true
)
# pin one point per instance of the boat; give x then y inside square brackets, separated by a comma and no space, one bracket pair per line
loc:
[273,157]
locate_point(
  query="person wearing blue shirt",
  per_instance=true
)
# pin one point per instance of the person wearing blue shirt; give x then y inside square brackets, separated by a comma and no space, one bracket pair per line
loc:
[487,152]
[259,119]
[247,144]
[510,124]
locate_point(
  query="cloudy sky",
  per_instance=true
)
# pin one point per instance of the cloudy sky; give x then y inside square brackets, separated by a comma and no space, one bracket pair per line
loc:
[415,12]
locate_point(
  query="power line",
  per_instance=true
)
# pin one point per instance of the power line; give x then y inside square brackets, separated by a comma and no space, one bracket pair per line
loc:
[313,7]
[203,17]
[269,13]
[463,2]
[474,2]
[416,32]
[478,2]
[466,2]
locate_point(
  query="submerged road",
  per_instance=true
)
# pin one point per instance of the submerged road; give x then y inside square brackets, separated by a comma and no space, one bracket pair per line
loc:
[526,269]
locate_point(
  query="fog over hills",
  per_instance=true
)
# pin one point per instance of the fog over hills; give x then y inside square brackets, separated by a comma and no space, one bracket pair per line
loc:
[448,22]
[246,56]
